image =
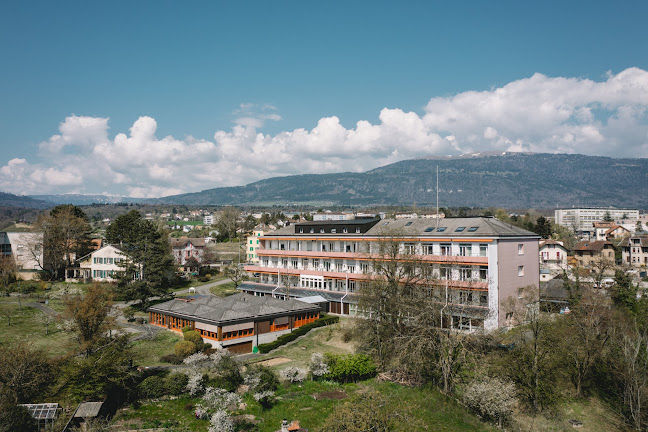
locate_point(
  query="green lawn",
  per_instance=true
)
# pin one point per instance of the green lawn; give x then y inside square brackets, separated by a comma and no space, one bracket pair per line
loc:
[224,290]
[148,352]
[26,326]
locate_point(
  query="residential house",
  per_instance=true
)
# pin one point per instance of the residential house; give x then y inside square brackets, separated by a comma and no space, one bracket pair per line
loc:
[553,255]
[634,251]
[480,262]
[588,251]
[104,264]
[185,249]
[238,322]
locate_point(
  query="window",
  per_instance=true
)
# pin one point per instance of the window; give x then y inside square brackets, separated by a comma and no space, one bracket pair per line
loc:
[520,270]
[483,249]
[357,230]
[521,249]
[408,223]
[429,229]
[441,229]
[465,250]
[483,273]
[465,273]
[321,230]
[301,230]
[344,230]
[472,229]
[446,249]
[312,230]
[460,229]
[333,230]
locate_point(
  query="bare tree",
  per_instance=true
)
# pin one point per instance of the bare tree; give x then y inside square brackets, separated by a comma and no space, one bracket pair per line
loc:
[91,315]
[236,274]
[632,369]
[599,267]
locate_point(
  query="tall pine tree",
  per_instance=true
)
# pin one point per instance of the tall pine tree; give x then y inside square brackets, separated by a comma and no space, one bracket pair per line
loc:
[149,266]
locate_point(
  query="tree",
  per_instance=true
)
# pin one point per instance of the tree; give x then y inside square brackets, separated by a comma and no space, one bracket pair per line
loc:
[543,227]
[7,272]
[236,274]
[639,226]
[66,237]
[631,368]
[91,317]
[607,217]
[599,266]
[492,398]
[531,365]
[588,330]
[228,223]
[148,264]
[624,292]
[25,372]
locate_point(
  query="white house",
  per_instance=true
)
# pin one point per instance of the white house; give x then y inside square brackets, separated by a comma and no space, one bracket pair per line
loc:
[104,265]
[553,257]
[26,248]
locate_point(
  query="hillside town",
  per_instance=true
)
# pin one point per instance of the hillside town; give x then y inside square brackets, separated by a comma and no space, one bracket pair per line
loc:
[240,284]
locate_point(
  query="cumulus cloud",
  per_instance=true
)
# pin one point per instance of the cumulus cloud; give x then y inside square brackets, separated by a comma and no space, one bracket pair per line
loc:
[539,114]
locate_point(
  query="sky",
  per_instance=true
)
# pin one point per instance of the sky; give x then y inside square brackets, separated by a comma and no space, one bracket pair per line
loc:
[154,98]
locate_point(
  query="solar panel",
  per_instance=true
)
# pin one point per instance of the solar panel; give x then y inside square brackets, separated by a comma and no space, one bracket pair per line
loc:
[45,411]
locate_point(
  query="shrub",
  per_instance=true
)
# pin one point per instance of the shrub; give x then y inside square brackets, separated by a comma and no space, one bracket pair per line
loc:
[171,358]
[152,387]
[293,374]
[207,347]
[491,398]
[194,336]
[186,329]
[129,313]
[228,374]
[288,337]
[185,348]
[176,384]
[350,368]
[260,379]
[318,366]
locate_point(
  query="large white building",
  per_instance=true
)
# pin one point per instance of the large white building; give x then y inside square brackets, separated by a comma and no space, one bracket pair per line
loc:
[26,248]
[332,216]
[582,219]
[480,262]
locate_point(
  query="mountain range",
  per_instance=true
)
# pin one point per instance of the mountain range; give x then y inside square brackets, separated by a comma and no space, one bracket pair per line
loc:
[511,180]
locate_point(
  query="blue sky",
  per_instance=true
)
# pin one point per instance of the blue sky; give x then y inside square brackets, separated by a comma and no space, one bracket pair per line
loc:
[212,76]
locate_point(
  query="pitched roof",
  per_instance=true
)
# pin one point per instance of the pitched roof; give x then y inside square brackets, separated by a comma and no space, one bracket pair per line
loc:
[237,307]
[587,245]
[460,227]
[182,242]
[552,242]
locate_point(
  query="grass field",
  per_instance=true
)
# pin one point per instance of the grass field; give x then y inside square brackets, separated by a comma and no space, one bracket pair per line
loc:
[223,290]
[148,352]
[27,326]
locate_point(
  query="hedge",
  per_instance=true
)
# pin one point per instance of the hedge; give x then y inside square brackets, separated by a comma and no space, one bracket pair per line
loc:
[300,331]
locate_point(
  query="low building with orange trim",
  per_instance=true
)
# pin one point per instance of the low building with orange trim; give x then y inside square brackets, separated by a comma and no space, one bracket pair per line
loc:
[238,322]
[479,261]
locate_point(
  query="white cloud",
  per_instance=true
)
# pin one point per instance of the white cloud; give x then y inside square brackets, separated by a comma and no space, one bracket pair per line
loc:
[540,114]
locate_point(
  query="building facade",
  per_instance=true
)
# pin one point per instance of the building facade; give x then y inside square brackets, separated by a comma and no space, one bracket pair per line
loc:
[238,322]
[252,243]
[184,249]
[480,262]
[26,248]
[635,251]
[582,219]
[104,265]
[587,252]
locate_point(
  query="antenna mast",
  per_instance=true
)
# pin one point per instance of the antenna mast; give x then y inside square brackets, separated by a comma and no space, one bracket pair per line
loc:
[437,191]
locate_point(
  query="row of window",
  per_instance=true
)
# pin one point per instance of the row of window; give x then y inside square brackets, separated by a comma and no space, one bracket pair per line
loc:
[105,274]
[102,260]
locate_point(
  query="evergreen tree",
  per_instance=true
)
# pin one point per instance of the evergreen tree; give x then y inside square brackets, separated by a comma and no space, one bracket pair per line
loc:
[543,227]
[149,266]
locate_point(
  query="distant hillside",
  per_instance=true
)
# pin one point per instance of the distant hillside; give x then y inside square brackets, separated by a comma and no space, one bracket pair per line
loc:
[506,180]
[77,199]
[10,200]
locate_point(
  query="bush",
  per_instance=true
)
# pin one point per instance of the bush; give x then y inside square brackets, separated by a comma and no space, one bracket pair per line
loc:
[288,337]
[206,347]
[350,368]
[152,387]
[228,374]
[261,379]
[491,398]
[194,336]
[129,313]
[185,348]
[293,374]
[171,358]
[176,384]
[186,329]
[317,366]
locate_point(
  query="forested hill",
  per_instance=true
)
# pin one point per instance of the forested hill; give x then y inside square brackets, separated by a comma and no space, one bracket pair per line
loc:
[504,180]
[10,200]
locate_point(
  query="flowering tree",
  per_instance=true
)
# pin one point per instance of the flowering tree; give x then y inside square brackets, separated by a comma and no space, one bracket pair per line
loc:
[293,374]
[318,366]
[492,398]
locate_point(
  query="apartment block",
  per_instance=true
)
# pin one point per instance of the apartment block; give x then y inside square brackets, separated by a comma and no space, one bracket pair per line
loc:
[480,262]
[582,219]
